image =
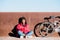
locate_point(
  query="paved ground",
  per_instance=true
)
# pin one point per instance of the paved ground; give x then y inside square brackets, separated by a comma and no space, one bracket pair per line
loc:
[36,38]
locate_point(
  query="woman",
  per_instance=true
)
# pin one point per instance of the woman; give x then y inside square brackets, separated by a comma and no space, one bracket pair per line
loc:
[23,28]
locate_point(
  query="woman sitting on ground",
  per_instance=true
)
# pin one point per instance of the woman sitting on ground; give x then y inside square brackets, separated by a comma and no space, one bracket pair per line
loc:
[23,28]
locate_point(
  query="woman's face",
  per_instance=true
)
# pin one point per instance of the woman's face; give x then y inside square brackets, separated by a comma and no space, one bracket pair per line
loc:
[23,21]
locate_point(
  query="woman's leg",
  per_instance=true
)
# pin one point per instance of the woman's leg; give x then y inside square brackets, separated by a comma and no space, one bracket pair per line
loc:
[20,33]
[29,33]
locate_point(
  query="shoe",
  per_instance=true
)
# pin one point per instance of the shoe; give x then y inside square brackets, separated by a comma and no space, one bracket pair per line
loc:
[21,36]
[29,36]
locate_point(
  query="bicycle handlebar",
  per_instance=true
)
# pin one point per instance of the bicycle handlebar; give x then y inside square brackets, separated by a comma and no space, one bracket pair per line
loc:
[51,17]
[58,17]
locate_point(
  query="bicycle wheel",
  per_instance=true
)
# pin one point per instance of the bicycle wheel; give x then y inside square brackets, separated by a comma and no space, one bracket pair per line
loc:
[42,29]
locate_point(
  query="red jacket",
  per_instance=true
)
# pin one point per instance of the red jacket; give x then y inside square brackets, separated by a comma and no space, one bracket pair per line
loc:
[22,28]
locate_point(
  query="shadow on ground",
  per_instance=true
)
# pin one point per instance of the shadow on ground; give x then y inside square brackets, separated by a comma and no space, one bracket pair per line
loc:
[14,33]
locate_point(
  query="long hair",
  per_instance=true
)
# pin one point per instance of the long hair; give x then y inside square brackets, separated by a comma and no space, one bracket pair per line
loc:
[20,20]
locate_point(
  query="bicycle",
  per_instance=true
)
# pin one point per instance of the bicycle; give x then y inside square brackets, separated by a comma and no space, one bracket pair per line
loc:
[47,27]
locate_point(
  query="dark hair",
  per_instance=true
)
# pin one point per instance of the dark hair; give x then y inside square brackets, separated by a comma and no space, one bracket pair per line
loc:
[21,18]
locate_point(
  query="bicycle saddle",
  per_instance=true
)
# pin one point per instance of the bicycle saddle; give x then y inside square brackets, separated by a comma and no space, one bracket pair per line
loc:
[47,18]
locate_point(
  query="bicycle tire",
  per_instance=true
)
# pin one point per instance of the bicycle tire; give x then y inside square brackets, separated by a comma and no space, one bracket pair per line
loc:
[40,25]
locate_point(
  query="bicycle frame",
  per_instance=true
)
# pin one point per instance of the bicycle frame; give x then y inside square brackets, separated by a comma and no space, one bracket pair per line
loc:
[55,23]
[50,26]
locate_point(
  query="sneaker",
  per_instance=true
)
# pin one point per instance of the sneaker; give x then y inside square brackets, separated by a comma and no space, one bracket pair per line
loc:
[29,36]
[21,36]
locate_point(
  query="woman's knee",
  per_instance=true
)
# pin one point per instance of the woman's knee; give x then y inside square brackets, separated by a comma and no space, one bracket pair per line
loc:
[31,32]
[21,33]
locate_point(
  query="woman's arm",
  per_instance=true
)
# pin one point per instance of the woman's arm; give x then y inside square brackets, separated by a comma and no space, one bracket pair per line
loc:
[19,27]
[27,28]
